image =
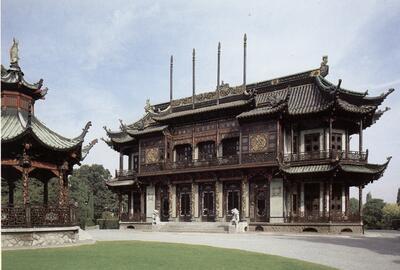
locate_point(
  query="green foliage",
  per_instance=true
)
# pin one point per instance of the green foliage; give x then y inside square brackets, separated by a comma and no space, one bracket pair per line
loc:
[89,190]
[369,196]
[391,211]
[353,206]
[373,214]
[108,224]
[124,255]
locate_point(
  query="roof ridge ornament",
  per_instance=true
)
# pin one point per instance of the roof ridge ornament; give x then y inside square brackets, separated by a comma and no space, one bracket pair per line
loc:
[324,68]
[14,54]
[86,149]
[85,130]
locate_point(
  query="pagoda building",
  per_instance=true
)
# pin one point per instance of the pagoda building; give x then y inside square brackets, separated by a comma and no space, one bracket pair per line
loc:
[278,150]
[30,150]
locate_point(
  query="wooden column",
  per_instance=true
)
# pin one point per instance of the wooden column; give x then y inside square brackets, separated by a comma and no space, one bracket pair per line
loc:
[360,137]
[195,201]
[66,189]
[330,200]
[121,161]
[360,198]
[11,188]
[302,199]
[25,184]
[245,198]
[291,142]
[330,137]
[46,192]
[142,209]
[219,201]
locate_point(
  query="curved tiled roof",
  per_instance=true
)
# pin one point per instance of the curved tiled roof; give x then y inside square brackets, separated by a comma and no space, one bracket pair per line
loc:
[15,124]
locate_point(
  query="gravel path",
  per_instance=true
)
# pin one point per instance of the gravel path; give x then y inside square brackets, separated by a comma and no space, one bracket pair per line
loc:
[375,250]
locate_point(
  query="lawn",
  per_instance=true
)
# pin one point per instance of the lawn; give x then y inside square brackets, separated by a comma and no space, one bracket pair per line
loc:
[120,255]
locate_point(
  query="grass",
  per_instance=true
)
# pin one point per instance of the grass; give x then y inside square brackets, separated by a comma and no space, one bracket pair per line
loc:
[120,255]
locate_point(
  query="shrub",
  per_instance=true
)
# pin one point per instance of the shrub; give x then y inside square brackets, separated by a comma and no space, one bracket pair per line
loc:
[373,214]
[107,224]
[391,212]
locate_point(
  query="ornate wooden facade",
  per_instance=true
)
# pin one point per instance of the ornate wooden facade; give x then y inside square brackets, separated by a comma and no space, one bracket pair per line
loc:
[30,150]
[277,150]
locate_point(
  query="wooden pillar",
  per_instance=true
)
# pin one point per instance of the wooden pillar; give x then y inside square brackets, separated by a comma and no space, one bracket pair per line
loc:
[360,137]
[330,200]
[278,139]
[219,213]
[360,198]
[343,199]
[25,184]
[195,201]
[121,161]
[347,200]
[66,189]
[302,199]
[11,188]
[46,192]
[245,198]
[330,137]
[142,209]
[291,142]
[130,209]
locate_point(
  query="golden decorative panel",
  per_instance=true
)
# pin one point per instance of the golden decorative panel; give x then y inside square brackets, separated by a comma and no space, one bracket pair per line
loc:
[151,155]
[258,142]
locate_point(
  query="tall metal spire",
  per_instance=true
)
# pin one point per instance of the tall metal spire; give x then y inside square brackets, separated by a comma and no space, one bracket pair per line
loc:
[170,78]
[193,78]
[218,70]
[244,58]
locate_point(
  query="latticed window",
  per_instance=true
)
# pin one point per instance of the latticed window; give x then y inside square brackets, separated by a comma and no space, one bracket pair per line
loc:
[230,147]
[206,150]
[337,141]
[183,152]
[311,142]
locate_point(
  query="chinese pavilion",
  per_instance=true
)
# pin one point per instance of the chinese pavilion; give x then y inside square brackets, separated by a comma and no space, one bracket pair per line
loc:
[29,149]
[278,150]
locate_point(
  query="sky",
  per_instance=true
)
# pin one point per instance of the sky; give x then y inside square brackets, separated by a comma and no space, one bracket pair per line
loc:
[101,60]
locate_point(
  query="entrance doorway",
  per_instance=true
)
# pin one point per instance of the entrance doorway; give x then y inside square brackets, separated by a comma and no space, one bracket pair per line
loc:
[259,200]
[184,202]
[232,199]
[311,200]
[207,195]
[164,203]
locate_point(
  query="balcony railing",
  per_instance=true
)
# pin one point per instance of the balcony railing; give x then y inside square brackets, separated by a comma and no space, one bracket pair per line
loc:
[316,218]
[38,216]
[322,155]
[209,162]
[125,173]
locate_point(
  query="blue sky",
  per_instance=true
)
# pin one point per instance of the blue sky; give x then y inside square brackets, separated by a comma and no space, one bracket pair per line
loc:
[102,59]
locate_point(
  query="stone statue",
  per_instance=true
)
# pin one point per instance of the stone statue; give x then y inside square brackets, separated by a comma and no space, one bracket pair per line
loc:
[156,217]
[235,217]
[148,107]
[14,52]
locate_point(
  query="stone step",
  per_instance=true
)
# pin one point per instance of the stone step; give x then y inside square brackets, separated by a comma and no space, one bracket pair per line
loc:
[217,227]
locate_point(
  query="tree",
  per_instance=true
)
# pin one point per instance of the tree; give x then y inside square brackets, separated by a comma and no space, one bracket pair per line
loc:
[353,204]
[369,196]
[398,197]
[373,214]
[89,190]
[391,211]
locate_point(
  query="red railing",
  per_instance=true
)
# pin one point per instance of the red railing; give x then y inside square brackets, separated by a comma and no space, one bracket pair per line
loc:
[38,216]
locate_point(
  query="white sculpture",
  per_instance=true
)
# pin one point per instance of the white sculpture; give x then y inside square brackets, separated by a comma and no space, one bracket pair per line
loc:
[235,217]
[14,52]
[156,217]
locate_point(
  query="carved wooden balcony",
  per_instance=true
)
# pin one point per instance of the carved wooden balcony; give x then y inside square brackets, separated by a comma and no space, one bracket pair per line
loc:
[125,174]
[38,216]
[355,156]
[257,157]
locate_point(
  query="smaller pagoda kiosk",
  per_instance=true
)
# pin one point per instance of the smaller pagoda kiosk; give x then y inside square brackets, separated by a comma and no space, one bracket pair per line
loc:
[30,150]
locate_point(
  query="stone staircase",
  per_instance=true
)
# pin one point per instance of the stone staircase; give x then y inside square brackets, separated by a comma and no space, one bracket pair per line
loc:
[206,227]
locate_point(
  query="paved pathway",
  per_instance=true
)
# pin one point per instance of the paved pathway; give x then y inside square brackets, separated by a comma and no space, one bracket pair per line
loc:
[375,250]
